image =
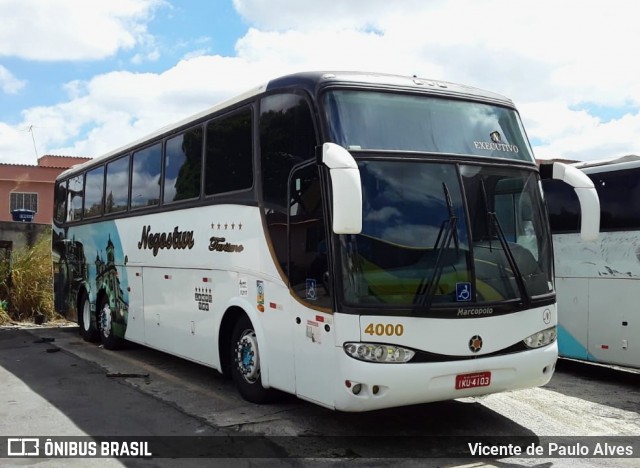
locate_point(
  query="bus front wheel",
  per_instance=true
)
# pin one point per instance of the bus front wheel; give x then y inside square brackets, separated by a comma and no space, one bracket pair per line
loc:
[87,320]
[245,363]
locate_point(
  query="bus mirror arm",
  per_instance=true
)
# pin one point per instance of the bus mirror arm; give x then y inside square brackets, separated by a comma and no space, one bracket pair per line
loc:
[346,189]
[587,196]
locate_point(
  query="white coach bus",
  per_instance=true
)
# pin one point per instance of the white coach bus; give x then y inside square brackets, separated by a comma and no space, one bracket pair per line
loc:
[361,241]
[598,283]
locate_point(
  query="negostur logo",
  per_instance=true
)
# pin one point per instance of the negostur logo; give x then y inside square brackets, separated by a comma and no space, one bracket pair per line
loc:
[495,137]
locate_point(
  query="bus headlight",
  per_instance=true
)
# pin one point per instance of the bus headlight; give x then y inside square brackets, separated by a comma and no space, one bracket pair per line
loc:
[541,338]
[376,352]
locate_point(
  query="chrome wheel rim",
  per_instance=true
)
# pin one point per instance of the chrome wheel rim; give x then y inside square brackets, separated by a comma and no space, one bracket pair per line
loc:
[247,357]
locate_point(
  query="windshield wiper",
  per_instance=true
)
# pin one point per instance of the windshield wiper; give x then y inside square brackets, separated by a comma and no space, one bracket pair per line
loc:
[493,224]
[448,232]
[452,215]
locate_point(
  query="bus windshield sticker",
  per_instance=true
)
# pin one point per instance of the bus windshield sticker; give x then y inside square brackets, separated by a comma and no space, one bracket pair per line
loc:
[260,295]
[463,292]
[311,289]
[243,288]
[313,331]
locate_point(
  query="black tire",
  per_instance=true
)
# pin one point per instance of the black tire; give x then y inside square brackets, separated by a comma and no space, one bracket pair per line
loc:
[105,325]
[87,320]
[245,363]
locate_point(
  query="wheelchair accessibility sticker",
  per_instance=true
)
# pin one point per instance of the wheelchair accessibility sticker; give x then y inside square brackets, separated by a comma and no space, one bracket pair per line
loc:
[312,295]
[463,292]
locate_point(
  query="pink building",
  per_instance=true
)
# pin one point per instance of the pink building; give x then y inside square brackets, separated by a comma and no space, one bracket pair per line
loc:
[30,187]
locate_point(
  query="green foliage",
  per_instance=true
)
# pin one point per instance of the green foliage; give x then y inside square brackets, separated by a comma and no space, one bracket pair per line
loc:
[4,315]
[26,283]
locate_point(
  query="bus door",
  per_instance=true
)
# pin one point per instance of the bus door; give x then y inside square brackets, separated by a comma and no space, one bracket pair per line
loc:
[314,338]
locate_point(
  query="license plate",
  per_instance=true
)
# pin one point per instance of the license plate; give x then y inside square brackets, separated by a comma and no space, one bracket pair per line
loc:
[476,379]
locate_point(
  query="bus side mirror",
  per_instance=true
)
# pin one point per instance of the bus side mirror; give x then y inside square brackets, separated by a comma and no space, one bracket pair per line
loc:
[587,196]
[346,189]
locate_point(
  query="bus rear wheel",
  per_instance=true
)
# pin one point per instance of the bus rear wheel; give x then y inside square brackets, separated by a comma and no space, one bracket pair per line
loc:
[87,320]
[245,363]
[105,323]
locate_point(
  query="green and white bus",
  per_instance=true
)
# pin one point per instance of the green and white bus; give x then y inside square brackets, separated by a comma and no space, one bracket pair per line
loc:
[362,241]
[597,282]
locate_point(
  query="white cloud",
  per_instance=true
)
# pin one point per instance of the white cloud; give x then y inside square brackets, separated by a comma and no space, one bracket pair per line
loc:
[583,47]
[547,56]
[118,107]
[291,51]
[72,29]
[195,54]
[304,15]
[550,57]
[9,83]
[12,138]
[579,135]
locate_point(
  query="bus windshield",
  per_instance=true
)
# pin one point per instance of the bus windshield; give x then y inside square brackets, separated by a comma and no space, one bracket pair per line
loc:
[446,234]
[371,120]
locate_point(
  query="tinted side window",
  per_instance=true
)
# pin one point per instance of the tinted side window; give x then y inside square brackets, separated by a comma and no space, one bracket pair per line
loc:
[563,206]
[308,264]
[287,137]
[117,192]
[615,190]
[76,195]
[229,153]
[93,192]
[145,179]
[183,166]
[60,201]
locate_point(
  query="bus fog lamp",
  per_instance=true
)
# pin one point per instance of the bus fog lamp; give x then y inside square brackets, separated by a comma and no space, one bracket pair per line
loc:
[541,338]
[375,352]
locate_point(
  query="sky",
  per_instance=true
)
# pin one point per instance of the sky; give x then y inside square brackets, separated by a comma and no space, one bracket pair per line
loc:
[81,77]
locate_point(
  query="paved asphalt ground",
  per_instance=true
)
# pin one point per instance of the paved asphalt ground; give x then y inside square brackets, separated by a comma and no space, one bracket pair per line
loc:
[68,387]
